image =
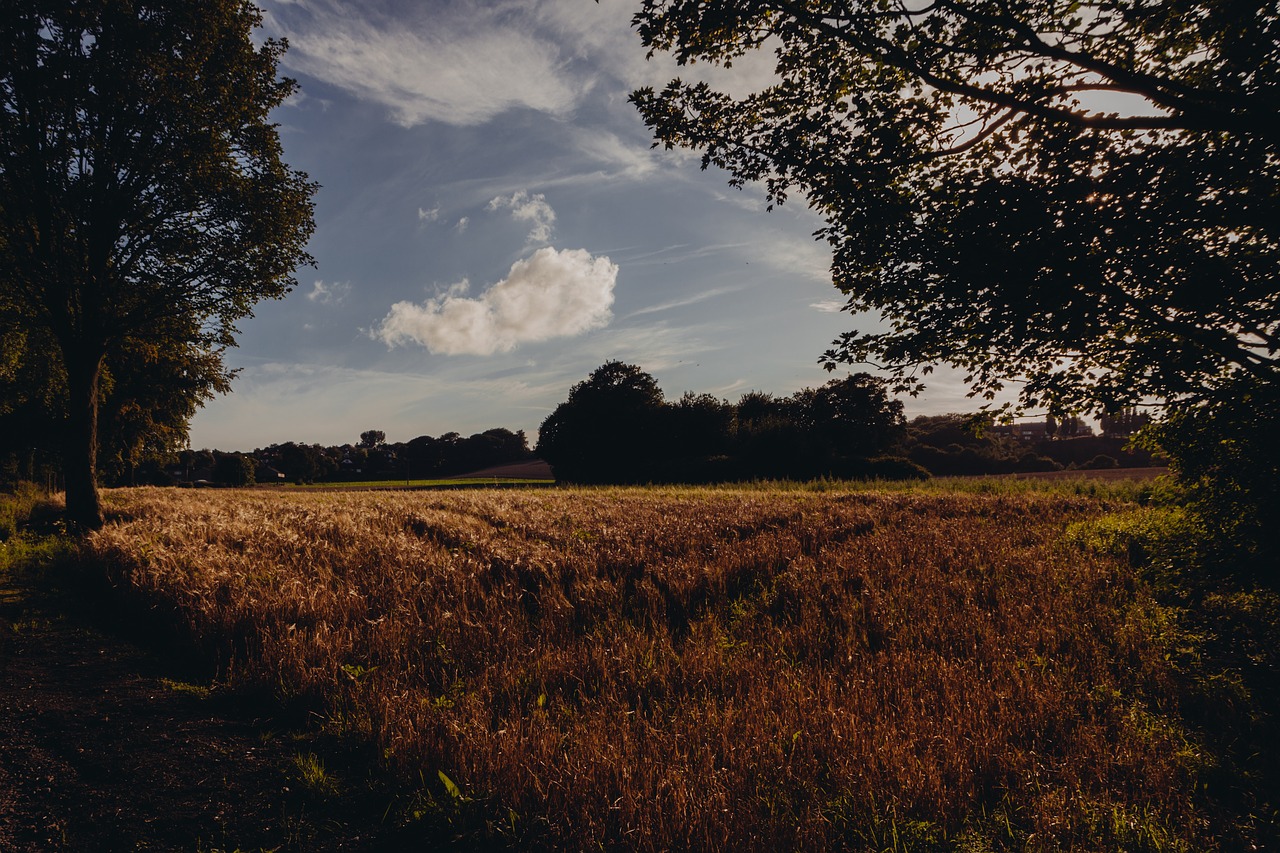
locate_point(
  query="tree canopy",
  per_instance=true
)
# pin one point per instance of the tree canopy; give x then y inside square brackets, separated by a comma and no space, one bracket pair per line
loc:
[1081,197]
[144,203]
[616,427]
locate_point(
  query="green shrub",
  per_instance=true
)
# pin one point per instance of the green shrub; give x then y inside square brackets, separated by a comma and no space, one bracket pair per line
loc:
[1226,456]
[16,508]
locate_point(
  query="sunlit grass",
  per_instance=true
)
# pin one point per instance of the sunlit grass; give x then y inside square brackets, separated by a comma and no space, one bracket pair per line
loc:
[417,484]
[761,667]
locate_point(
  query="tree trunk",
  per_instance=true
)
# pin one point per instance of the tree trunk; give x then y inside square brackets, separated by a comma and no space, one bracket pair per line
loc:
[80,453]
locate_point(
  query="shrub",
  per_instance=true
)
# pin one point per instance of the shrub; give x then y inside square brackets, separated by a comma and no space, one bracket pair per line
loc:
[1226,456]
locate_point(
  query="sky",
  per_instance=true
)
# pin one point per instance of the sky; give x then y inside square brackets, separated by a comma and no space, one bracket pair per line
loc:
[493,224]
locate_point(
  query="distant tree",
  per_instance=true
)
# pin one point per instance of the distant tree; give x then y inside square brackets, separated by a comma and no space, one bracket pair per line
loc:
[698,426]
[423,456]
[855,417]
[755,407]
[606,430]
[31,411]
[373,438]
[492,447]
[234,469]
[196,464]
[299,462]
[143,199]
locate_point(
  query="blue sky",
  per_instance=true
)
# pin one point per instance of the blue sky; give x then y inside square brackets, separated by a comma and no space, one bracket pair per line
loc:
[493,225]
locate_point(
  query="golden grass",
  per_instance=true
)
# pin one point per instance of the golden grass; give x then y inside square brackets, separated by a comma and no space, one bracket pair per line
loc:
[701,668]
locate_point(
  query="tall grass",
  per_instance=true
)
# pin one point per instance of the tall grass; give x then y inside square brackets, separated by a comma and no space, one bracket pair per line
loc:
[748,668]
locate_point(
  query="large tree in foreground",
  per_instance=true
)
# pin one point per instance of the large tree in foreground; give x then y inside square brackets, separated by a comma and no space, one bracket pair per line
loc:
[143,199]
[1081,197]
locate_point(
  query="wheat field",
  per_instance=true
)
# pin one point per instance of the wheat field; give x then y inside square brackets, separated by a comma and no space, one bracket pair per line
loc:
[700,669]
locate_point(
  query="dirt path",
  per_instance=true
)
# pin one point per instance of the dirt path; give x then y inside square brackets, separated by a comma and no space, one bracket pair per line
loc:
[104,748]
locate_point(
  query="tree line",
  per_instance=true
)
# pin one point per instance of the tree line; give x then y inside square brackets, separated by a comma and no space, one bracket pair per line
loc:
[617,427]
[371,458]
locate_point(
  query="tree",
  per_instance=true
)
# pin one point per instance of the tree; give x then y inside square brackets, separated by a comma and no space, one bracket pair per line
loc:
[1081,197]
[143,198]
[373,438]
[301,463]
[854,416]
[698,426]
[234,469]
[606,431]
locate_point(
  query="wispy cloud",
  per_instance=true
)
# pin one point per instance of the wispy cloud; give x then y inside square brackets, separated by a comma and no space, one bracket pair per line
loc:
[551,294]
[462,70]
[658,347]
[429,215]
[688,300]
[796,256]
[602,32]
[619,158]
[329,292]
[529,208]
[461,227]
[828,306]
[682,252]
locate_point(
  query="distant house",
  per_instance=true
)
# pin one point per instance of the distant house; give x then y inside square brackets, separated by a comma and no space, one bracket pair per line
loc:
[1030,431]
[266,474]
[1040,430]
[184,475]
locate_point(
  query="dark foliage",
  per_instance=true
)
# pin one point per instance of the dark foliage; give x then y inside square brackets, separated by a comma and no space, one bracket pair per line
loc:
[144,209]
[1227,458]
[617,428]
[983,195]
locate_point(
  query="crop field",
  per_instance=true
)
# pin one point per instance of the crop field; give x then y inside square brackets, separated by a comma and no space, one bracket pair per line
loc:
[710,669]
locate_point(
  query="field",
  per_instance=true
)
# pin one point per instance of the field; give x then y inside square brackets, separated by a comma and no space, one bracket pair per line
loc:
[748,669]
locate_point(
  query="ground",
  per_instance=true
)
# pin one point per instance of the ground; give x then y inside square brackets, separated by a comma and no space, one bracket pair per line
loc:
[108,745]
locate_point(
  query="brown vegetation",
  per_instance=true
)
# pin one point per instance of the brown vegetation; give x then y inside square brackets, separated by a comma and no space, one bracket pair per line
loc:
[698,669]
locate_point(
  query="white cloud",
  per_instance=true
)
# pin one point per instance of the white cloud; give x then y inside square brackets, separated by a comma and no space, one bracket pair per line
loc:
[462,69]
[828,306]
[461,227]
[551,294]
[429,215]
[529,208]
[329,293]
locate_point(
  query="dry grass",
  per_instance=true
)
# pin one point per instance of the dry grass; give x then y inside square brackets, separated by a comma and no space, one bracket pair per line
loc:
[700,669]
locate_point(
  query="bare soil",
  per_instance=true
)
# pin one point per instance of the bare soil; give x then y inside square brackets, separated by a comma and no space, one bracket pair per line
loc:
[533,469]
[105,745]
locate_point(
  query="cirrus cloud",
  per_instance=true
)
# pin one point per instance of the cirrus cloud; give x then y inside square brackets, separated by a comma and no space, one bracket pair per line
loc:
[551,294]
[462,70]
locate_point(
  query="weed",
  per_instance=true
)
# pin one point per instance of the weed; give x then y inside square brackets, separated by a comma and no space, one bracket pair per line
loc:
[311,773]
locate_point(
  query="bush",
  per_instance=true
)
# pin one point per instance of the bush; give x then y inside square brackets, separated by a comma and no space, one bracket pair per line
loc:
[1225,455]
[16,508]
[892,468]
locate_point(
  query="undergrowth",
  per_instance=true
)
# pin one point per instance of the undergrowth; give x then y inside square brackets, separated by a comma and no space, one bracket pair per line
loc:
[1221,633]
